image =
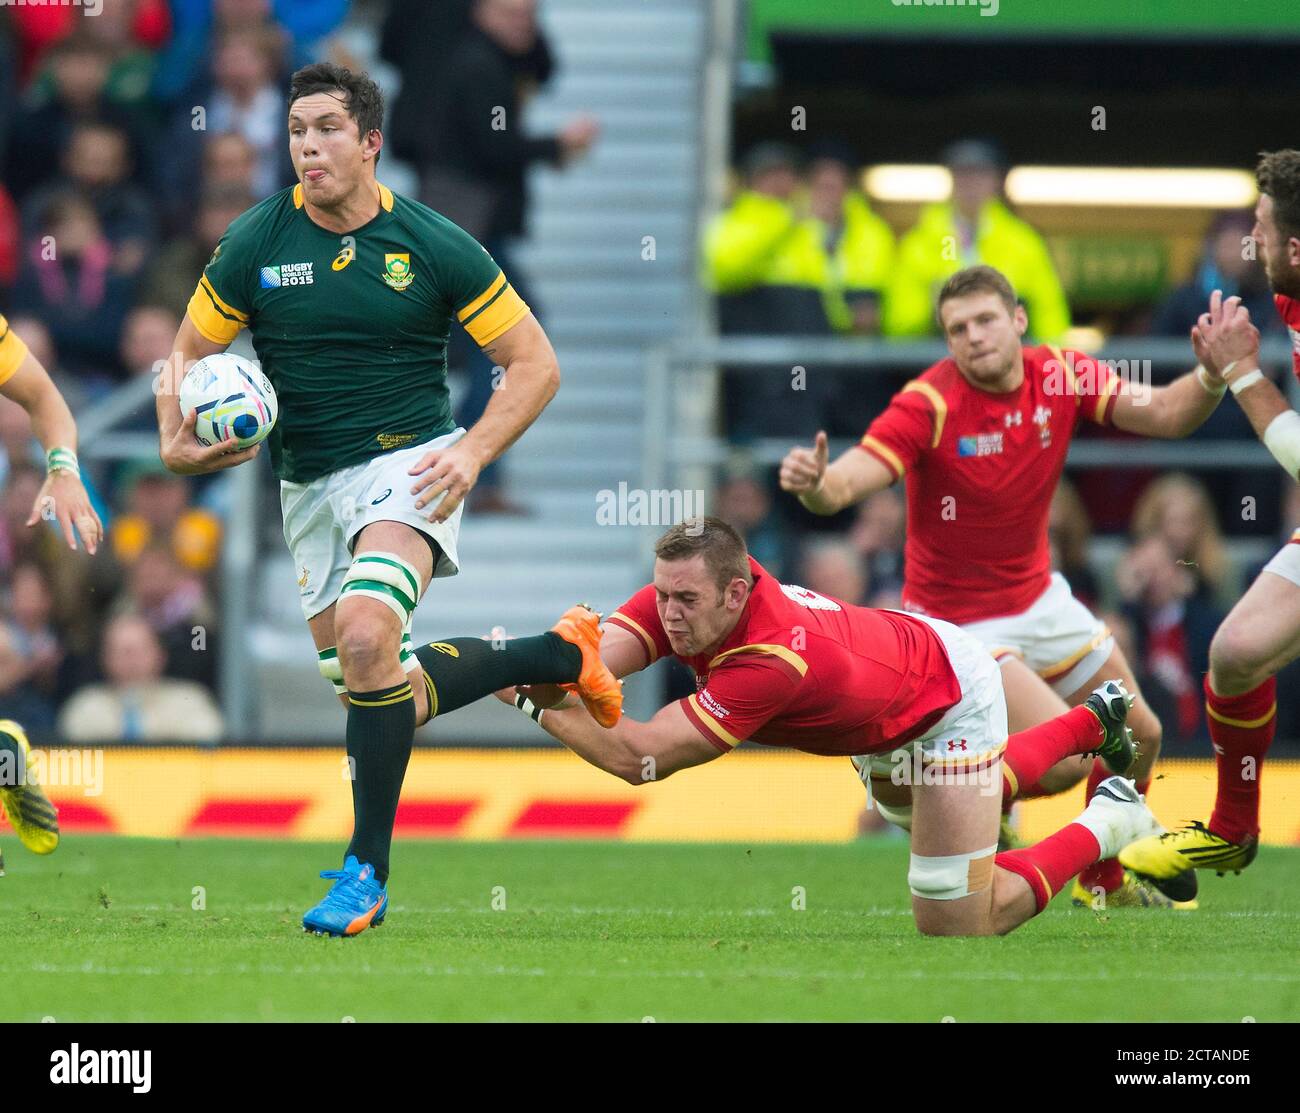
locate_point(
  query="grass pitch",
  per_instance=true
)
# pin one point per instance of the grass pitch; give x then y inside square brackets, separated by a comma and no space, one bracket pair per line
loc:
[107,929]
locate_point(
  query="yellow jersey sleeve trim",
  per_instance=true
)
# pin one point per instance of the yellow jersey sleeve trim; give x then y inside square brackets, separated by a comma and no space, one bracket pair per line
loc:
[936,400]
[713,724]
[789,656]
[500,314]
[651,652]
[215,320]
[1070,384]
[888,454]
[12,352]
[1111,387]
[494,288]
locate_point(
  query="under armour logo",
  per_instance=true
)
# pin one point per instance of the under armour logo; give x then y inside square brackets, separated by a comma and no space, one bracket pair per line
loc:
[957,745]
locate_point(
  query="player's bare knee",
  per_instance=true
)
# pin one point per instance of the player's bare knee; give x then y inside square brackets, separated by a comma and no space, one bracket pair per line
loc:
[1237,663]
[366,639]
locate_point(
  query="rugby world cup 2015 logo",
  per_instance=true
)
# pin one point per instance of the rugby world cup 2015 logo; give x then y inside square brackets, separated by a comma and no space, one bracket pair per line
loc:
[397,271]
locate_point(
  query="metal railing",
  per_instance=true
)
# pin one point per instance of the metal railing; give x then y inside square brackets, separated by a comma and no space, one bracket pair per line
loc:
[683,443]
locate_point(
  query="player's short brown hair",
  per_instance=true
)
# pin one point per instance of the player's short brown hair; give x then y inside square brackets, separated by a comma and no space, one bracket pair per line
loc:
[723,549]
[979,279]
[1278,175]
[362,97]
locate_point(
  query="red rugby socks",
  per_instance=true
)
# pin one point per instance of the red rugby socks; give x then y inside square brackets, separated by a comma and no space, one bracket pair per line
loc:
[1242,729]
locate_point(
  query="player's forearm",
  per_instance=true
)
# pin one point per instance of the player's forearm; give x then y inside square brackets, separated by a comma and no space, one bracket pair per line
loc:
[1184,406]
[1267,410]
[832,495]
[606,749]
[52,421]
[523,393]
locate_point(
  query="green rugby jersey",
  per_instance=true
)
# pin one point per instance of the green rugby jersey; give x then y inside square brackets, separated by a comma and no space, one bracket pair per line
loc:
[351,329]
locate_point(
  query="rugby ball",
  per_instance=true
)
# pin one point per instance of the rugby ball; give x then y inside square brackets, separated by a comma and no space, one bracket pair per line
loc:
[235,401]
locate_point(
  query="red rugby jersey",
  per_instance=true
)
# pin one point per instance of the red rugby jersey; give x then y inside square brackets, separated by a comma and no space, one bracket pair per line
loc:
[810,672]
[1289,310]
[981,469]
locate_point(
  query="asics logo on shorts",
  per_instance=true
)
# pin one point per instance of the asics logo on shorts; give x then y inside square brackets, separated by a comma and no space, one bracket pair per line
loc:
[376,502]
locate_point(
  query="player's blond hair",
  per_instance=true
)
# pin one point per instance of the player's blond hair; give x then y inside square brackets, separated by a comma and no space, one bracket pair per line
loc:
[722,548]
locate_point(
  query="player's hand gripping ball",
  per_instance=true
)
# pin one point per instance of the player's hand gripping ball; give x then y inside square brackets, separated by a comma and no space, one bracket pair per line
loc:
[235,402]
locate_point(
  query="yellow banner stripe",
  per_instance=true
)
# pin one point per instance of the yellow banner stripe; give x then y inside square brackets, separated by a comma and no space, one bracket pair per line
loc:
[936,400]
[651,652]
[1245,724]
[789,656]
[885,453]
[493,289]
[713,724]
[505,311]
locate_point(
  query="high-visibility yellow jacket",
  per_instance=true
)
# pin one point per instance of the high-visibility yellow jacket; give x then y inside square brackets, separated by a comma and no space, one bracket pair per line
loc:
[931,252]
[760,245]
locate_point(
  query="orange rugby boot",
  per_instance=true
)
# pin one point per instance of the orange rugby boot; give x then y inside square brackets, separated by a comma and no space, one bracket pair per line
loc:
[597,687]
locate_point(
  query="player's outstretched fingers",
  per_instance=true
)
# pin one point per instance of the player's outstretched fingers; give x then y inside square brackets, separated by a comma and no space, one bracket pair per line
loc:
[422,468]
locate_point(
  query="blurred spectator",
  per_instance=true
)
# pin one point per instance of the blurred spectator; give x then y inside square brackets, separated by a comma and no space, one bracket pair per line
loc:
[229,161]
[765,265]
[1172,627]
[857,246]
[833,568]
[22,701]
[1226,264]
[147,338]
[1068,533]
[298,25]
[878,536]
[66,573]
[128,25]
[69,282]
[11,239]
[974,226]
[175,604]
[30,615]
[472,156]
[8,85]
[137,704]
[174,271]
[743,503]
[159,514]
[244,98]
[472,164]
[97,167]
[75,91]
[1177,509]
[18,446]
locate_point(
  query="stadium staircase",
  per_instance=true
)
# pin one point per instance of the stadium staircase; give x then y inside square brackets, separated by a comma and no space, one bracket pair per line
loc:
[637,68]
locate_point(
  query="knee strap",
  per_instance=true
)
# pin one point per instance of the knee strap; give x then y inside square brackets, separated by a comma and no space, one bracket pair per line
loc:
[385,577]
[332,670]
[951,876]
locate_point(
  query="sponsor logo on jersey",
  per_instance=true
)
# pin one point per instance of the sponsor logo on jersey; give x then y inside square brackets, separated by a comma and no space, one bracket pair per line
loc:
[392,440]
[287,274]
[302,580]
[445,647]
[376,502]
[1012,418]
[984,444]
[712,706]
[397,271]
[343,258]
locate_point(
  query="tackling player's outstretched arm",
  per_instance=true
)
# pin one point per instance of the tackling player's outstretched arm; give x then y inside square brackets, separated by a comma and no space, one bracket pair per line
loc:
[828,489]
[636,752]
[532,376]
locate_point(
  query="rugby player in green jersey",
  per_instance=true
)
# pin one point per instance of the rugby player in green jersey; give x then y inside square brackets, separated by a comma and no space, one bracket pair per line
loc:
[349,292]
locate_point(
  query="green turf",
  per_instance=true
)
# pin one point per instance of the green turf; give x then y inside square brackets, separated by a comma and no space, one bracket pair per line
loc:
[104,930]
